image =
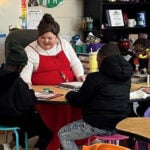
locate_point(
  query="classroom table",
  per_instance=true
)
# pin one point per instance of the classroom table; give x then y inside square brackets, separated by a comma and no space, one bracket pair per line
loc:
[57,113]
[138,127]
[135,86]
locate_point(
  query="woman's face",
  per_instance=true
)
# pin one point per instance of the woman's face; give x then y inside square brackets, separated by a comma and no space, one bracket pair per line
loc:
[47,40]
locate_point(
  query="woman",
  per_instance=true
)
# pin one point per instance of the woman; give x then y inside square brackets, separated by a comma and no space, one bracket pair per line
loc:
[51,60]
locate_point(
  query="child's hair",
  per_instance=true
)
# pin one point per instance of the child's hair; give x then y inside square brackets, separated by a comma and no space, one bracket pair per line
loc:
[109,49]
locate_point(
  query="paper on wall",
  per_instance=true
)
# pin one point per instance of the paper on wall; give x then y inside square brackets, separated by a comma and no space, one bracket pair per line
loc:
[33,18]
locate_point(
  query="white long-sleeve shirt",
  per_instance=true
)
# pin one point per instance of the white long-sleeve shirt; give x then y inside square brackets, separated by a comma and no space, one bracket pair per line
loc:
[33,58]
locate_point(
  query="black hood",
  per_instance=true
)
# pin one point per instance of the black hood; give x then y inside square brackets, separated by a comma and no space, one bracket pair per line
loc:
[6,80]
[116,67]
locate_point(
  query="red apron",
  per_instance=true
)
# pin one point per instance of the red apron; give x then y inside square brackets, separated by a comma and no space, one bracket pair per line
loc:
[52,69]
[55,116]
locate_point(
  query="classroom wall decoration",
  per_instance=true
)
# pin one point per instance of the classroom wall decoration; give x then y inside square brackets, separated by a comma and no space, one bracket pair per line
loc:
[50,3]
[32,3]
[24,14]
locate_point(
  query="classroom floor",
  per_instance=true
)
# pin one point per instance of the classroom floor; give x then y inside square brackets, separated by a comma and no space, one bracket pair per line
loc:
[2,137]
[31,141]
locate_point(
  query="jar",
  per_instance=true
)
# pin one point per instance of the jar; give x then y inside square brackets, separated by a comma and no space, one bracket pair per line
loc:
[83,23]
[90,25]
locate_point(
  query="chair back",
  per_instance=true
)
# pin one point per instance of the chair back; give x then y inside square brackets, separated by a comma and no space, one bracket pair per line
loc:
[23,36]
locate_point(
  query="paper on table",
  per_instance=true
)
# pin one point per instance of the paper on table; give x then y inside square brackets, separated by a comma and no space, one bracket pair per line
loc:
[139,94]
[44,96]
[138,78]
[71,85]
[140,75]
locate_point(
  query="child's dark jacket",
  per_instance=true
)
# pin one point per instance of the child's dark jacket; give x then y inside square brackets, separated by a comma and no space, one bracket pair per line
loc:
[15,97]
[104,95]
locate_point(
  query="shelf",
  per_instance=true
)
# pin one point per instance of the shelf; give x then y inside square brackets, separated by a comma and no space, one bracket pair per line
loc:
[136,29]
[125,3]
[87,30]
[97,10]
[127,28]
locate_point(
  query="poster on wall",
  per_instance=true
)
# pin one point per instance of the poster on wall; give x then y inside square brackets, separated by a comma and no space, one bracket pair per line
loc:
[34,17]
[50,3]
[32,3]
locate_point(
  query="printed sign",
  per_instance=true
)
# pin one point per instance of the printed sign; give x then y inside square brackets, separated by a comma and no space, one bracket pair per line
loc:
[50,3]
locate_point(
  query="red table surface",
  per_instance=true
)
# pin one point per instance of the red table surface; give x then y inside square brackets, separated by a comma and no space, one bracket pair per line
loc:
[56,116]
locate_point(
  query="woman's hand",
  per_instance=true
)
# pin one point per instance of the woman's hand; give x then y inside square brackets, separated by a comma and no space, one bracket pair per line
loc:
[81,78]
[30,85]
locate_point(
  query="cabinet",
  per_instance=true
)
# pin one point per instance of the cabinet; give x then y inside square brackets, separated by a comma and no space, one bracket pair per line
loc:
[97,10]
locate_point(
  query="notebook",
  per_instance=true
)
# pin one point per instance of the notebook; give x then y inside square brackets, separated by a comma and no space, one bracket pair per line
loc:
[70,85]
[46,96]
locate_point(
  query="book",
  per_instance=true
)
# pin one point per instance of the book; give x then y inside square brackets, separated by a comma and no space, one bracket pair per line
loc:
[71,85]
[114,17]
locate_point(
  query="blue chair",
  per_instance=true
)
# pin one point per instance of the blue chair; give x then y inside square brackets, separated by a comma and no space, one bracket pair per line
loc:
[15,130]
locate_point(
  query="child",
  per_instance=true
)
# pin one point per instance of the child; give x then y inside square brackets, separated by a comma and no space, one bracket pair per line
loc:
[139,59]
[104,98]
[17,101]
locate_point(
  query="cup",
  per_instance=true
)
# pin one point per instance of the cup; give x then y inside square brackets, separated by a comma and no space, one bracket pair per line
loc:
[141,19]
[90,25]
[93,62]
[131,23]
[78,48]
[84,48]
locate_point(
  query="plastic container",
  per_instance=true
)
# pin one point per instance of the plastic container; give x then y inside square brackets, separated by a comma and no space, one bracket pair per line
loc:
[2,47]
[93,66]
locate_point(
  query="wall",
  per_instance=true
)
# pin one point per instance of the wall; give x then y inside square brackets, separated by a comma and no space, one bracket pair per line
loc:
[68,15]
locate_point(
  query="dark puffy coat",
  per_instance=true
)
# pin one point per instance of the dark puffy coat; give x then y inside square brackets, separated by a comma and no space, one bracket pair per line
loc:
[15,96]
[104,95]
